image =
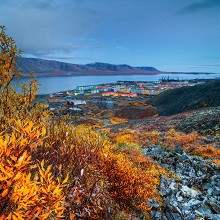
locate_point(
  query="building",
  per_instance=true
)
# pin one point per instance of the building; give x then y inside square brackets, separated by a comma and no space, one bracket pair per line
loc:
[76,102]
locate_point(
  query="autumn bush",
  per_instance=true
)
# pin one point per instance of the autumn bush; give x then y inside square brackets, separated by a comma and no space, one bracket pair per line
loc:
[28,189]
[50,169]
[104,179]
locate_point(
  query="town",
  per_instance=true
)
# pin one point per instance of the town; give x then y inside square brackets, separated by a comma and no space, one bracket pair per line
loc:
[90,100]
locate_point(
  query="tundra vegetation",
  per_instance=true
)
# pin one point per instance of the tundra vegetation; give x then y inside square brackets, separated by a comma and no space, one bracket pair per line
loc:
[50,169]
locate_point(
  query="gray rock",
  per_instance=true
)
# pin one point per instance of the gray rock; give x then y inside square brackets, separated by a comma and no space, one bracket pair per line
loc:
[198,213]
[215,178]
[214,217]
[212,199]
[163,191]
[193,202]
[190,217]
[169,216]
[178,149]
[188,192]
[176,216]
[214,207]
[210,191]
[205,199]
[206,186]
[204,210]
[163,181]
[179,199]
[216,191]
[184,210]
[183,157]
[158,215]
[173,185]
[200,173]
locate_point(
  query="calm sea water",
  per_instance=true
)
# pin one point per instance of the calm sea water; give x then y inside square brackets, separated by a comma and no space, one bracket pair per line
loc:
[56,84]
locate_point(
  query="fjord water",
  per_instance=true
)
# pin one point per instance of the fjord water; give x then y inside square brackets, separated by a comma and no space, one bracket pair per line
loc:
[64,83]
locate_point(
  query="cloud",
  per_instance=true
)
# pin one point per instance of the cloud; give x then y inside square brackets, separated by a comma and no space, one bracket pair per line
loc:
[63,57]
[199,6]
[211,65]
[42,27]
[70,58]
[205,66]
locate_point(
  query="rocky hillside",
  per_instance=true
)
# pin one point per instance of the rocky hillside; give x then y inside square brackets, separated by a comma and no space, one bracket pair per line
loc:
[188,98]
[194,193]
[54,68]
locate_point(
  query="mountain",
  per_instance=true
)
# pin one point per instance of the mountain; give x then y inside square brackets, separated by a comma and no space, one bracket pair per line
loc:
[55,68]
[121,68]
[147,68]
[188,98]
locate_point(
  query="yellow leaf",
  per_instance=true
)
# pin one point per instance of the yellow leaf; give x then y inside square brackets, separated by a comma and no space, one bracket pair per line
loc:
[49,169]
[17,176]
[60,167]
[57,189]
[30,125]
[44,190]
[22,158]
[28,178]
[41,173]
[42,164]
[66,179]
[43,131]
[17,216]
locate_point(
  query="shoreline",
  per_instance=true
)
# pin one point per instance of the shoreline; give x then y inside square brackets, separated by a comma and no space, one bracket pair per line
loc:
[117,74]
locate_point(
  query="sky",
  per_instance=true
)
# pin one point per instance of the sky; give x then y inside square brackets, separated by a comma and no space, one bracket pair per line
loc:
[170,35]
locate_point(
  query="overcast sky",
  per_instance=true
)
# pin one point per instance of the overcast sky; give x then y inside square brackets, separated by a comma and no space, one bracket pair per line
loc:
[171,35]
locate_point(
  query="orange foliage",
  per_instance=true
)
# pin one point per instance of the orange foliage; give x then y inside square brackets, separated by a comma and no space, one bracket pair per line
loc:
[116,120]
[26,190]
[192,143]
[132,179]
[103,178]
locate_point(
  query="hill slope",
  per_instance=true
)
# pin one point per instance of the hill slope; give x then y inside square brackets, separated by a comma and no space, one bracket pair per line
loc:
[188,98]
[54,68]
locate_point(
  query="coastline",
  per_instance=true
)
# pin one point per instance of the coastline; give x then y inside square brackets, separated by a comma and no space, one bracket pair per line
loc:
[116,74]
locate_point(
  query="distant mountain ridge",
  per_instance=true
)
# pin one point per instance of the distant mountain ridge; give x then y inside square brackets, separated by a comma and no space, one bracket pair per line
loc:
[122,67]
[43,67]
